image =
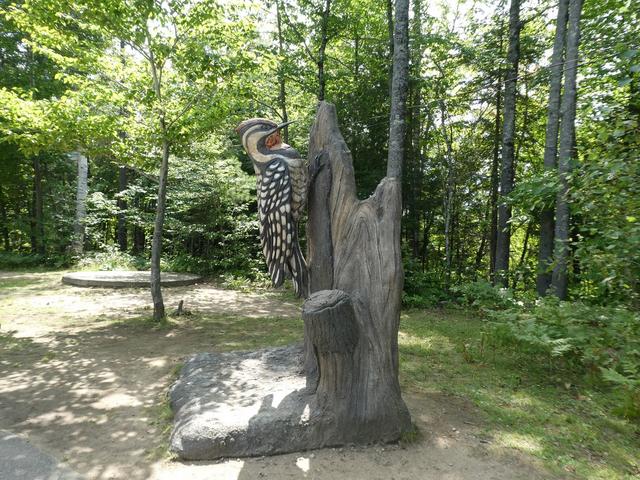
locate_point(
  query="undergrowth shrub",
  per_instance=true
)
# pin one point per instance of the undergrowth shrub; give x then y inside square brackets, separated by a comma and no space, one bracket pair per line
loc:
[481,295]
[111,258]
[19,261]
[422,289]
[604,342]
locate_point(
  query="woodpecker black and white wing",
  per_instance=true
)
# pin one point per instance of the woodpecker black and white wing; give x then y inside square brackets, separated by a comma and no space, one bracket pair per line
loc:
[278,233]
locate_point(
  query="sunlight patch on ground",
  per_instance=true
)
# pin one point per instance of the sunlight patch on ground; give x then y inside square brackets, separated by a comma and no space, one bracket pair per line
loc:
[116,400]
[303,464]
[519,441]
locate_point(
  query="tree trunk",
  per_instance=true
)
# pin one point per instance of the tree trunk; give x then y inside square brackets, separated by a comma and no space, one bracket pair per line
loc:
[415,181]
[523,255]
[161,204]
[5,222]
[493,237]
[503,243]
[353,315]
[449,195]
[545,252]
[559,280]
[324,38]
[390,28]
[355,268]
[156,243]
[282,94]
[122,207]
[37,222]
[77,246]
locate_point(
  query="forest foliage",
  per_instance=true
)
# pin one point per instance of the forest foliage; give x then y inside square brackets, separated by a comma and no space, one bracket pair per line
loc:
[77,75]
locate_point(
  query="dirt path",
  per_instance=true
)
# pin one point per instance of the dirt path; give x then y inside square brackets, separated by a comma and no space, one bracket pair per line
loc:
[90,391]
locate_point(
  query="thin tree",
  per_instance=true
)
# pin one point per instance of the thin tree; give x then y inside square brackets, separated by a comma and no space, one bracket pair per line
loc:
[493,238]
[559,280]
[399,88]
[77,246]
[324,38]
[503,244]
[282,93]
[545,252]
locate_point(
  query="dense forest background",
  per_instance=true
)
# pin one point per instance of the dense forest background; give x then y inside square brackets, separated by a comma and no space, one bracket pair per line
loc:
[94,94]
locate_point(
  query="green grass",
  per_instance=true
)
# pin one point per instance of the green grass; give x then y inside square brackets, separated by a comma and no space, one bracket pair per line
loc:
[9,283]
[551,413]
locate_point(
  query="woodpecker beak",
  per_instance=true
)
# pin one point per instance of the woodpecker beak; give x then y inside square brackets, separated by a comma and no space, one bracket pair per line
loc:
[282,125]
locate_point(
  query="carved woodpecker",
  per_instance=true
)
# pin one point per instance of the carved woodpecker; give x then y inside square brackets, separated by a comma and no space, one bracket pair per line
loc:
[282,194]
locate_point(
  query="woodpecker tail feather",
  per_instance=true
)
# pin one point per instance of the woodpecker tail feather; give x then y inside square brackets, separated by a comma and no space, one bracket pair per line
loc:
[298,269]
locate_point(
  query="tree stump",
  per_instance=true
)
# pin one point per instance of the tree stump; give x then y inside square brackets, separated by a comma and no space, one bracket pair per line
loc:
[258,403]
[352,318]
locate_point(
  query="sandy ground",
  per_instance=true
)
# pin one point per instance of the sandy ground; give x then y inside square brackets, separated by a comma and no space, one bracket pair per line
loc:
[90,392]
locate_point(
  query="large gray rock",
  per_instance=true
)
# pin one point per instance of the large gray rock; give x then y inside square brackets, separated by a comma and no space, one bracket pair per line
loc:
[240,404]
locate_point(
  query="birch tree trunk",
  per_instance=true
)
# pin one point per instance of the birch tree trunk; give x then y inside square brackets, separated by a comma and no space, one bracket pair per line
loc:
[545,252]
[77,246]
[559,280]
[503,244]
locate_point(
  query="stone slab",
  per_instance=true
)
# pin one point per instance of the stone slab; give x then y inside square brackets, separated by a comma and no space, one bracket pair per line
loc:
[127,279]
[240,404]
[20,460]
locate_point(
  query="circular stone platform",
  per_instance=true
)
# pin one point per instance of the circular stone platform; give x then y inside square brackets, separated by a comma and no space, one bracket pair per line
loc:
[127,279]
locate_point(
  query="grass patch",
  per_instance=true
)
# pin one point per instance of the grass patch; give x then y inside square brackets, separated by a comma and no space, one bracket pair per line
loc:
[9,283]
[246,333]
[552,413]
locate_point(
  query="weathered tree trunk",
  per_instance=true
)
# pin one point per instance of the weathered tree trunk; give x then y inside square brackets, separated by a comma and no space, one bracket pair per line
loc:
[559,280]
[355,266]
[353,315]
[122,207]
[545,251]
[324,38]
[77,246]
[503,244]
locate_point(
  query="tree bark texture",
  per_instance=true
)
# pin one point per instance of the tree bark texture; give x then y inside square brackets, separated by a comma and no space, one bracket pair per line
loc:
[356,279]
[503,244]
[559,280]
[77,246]
[547,221]
[122,207]
[399,87]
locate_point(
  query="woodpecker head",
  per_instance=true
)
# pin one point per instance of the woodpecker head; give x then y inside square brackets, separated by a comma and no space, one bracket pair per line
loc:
[259,137]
